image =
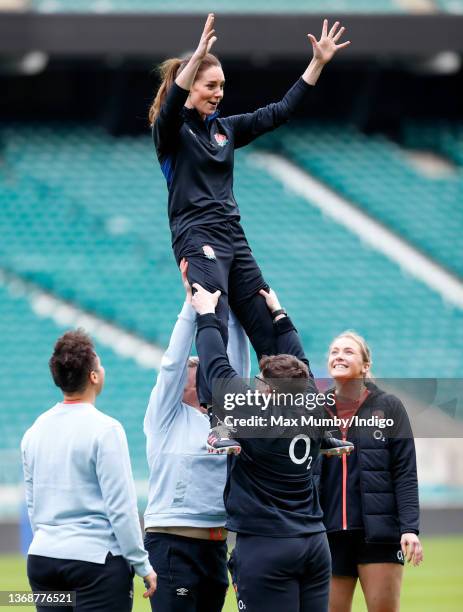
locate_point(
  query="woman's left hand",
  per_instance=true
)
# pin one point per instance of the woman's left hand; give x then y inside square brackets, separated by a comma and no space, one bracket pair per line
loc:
[326,47]
[411,548]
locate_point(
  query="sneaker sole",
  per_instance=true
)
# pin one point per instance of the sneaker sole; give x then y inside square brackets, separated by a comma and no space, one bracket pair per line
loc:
[229,450]
[337,452]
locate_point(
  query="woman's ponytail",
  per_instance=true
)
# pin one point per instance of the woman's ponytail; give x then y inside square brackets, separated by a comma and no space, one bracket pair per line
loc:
[168,71]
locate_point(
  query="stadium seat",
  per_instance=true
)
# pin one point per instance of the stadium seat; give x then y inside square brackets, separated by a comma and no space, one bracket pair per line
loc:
[27,343]
[91,210]
[375,174]
[221,6]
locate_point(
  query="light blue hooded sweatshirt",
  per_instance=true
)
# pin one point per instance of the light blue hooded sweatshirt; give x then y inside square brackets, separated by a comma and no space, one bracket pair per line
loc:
[186,482]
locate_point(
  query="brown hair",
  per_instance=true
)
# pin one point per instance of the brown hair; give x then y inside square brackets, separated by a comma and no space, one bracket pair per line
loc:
[293,373]
[193,362]
[72,361]
[169,71]
[362,343]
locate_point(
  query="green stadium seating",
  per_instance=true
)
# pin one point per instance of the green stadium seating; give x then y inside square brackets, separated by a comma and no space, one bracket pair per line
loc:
[375,174]
[221,6]
[450,6]
[84,217]
[26,388]
[440,136]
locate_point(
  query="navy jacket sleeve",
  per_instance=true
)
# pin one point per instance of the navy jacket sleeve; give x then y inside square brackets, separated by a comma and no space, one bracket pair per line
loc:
[168,123]
[249,126]
[403,469]
[288,343]
[212,354]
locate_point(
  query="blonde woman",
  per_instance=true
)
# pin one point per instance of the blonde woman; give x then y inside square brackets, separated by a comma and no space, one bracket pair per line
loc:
[369,498]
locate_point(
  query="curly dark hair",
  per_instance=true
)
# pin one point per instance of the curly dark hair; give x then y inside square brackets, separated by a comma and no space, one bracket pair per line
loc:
[284,373]
[72,361]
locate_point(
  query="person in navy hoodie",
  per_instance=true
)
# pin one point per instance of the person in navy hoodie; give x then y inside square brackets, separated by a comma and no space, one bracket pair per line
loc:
[195,148]
[369,498]
[281,561]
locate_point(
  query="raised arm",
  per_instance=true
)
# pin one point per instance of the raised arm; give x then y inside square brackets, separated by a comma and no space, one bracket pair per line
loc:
[238,348]
[249,126]
[209,343]
[186,78]
[168,122]
[166,396]
[286,336]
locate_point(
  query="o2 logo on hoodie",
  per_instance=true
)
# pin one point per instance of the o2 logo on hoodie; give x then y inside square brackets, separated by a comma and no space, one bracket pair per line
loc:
[221,139]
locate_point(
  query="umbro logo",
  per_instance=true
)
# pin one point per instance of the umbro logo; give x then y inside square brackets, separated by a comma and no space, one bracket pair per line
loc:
[182,592]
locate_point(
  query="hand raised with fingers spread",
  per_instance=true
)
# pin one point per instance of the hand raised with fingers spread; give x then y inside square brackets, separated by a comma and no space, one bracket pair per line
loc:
[325,48]
[207,38]
[186,284]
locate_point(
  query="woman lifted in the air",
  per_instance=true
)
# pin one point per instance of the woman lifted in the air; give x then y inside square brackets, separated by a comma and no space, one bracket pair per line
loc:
[195,148]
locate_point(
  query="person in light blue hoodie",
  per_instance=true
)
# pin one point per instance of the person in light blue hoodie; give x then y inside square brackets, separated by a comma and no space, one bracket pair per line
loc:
[185,515]
[80,492]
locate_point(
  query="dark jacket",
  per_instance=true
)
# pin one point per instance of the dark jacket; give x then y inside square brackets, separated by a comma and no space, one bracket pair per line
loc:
[376,487]
[197,156]
[266,493]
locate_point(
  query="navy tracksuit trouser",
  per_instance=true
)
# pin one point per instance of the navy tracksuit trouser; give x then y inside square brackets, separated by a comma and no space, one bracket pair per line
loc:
[102,587]
[219,257]
[192,573]
[281,574]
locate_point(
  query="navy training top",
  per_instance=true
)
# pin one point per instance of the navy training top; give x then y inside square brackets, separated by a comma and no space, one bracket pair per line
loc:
[267,493]
[197,156]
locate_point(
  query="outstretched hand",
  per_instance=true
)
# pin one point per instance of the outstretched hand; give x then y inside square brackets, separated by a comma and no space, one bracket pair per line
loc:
[207,38]
[325,48]
[203,301]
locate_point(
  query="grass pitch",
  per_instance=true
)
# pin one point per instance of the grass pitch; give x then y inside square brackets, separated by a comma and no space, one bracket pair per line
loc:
[436,586]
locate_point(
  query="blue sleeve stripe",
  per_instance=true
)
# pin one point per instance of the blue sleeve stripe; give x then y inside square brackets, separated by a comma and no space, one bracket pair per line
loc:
[168,170]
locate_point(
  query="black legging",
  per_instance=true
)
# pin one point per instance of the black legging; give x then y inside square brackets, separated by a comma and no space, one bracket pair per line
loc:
[219,257]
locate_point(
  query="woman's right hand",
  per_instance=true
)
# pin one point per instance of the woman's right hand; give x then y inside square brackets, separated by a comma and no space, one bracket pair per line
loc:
[207,38]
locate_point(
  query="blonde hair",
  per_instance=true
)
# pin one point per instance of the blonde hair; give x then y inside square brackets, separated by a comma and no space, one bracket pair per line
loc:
[364,348]
[169,71]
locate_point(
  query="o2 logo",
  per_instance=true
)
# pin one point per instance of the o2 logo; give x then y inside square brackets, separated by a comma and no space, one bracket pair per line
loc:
[241,605]
[305,456]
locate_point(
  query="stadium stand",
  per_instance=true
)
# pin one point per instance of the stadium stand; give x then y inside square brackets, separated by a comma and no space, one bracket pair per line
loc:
[27,343]
[86,221]
[450,6]
[375,174]
[222,6]
[244,6]
[443,137]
